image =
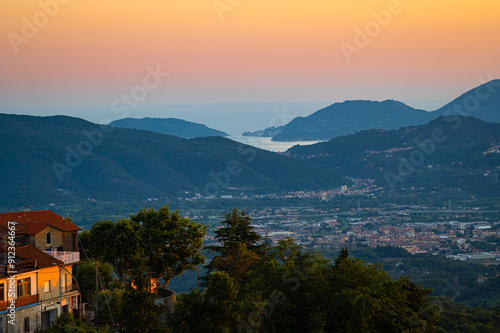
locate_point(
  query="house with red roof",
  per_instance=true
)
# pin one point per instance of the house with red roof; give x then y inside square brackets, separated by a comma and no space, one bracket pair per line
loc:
[44,230]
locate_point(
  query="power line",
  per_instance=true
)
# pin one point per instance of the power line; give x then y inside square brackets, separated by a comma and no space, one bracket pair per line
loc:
[100,279]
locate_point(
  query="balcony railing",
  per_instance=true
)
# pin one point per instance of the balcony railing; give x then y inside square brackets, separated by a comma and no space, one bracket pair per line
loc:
[21,301]
[67,257]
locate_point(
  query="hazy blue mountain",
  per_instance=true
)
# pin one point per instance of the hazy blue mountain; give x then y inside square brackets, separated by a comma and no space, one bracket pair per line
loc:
[455,153]
[482,102]
[349,117]
[171,126]
[64,159]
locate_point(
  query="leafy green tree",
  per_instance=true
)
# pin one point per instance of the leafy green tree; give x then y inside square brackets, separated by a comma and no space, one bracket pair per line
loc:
[238,250]
[217,309]
[170,242]
[365,299]
[111,305]
[67,323]
[139,311]
[118,244]
[458,318]
[85,242]
[236,261]
[85,276]
[237,229]
[293,289]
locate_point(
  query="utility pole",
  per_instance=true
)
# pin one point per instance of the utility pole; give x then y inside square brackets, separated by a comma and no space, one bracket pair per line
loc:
[96,291]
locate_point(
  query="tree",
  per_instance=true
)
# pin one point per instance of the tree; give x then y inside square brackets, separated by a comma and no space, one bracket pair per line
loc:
[217,309]
[236,260]
[85,241]
[365,299]
[171,243]
[67,323]
[85,275]
[139,311]
[236,229]
[291,290]
[167,242]
[238,251]
[118,243]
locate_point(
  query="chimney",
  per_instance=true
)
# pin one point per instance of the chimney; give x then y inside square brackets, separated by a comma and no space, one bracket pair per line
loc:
[35,264]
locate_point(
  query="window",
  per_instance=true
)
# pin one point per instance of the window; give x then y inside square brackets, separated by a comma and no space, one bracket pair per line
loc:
[2,292]
[23,287]
[27,324]
[49,238]
[63,283]
[46,286]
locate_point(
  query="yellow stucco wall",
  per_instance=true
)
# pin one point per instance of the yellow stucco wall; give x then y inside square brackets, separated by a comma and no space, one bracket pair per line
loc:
[47,300]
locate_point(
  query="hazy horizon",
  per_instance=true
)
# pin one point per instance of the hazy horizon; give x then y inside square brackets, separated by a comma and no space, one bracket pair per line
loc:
[233,119]
[259,51]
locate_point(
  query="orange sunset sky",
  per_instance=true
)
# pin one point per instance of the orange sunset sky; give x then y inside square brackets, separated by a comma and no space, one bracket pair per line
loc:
[88,52]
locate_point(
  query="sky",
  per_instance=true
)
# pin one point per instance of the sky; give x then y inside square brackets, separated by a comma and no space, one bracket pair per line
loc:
[62,53]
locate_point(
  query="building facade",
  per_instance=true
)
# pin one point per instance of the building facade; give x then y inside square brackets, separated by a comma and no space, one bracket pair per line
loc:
[35,288]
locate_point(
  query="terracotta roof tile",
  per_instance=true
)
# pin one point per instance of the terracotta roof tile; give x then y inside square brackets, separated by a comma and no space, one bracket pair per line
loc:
[34,222]
[29,254]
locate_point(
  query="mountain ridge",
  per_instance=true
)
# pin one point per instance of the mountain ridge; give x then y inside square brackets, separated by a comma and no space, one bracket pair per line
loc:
[457,153]
[171,126]
[65,159]
[352,116]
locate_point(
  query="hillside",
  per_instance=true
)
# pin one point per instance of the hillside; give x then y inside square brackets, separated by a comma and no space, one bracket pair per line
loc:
[171,126]
[482,102]
[349,117]
[55,159]
[457,154]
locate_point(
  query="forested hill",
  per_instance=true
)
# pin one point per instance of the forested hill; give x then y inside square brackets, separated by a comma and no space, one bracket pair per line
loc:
[482,102]
[171,126]
[349,117]
[453,153]
[65,159]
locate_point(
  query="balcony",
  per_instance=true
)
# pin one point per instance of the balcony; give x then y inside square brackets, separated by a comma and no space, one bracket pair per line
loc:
[21,301]
[67,257]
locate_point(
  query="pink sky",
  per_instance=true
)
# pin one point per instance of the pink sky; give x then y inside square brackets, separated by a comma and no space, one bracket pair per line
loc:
[90,52]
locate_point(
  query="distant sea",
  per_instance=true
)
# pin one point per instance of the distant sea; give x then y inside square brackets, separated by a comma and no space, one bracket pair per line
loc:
[267,144]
